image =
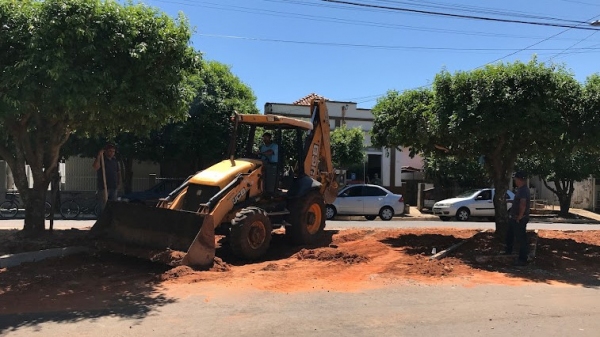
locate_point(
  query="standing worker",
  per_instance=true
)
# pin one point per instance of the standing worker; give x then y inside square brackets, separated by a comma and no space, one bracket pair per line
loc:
[108,173]
[519,217]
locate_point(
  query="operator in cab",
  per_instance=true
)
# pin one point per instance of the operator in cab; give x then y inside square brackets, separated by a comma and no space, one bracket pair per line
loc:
[268,151]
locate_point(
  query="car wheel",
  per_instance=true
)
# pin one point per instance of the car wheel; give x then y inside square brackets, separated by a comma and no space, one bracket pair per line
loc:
[330,212]
[445,218]
[386,213]
[370,217]
[463,214]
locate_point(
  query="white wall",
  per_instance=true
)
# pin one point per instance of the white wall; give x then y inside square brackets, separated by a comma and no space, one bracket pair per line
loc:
[80,176]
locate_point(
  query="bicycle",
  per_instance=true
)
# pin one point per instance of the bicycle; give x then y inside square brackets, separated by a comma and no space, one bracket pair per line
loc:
[10,207]
[71,208]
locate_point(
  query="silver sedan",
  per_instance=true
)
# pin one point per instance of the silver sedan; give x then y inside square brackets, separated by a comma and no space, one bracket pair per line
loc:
[368,200]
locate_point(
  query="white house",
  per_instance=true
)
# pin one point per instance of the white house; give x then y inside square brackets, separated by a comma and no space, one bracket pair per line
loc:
[394,167]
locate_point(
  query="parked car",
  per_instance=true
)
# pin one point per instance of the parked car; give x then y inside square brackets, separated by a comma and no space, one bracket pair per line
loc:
[428,198]
[368,200]
[151,196]
[472,203]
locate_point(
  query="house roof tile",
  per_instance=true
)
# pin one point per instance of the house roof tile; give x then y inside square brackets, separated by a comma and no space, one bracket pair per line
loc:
[306,99]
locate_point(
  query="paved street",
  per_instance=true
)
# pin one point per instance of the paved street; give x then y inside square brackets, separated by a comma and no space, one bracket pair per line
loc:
[345,224]
[397,310]
[402,308]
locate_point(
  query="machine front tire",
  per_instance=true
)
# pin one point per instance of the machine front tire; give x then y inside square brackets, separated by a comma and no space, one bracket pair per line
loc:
[307,219]
[250,233]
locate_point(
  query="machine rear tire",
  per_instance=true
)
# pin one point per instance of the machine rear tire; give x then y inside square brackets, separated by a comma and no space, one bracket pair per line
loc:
[307,219]
[250,233]
[370,217]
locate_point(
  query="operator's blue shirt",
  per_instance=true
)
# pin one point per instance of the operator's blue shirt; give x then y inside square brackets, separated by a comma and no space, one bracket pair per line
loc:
[270,158]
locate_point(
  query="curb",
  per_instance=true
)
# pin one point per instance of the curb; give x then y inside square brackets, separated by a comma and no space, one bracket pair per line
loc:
[12,260]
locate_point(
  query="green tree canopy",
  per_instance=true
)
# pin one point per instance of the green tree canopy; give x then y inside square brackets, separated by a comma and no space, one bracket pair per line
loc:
[498,112]
[204,137]
[574,155]
[450,172]
[347,146]
[85,66]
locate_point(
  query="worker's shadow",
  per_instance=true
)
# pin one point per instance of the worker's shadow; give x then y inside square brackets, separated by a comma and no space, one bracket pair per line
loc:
[280,248]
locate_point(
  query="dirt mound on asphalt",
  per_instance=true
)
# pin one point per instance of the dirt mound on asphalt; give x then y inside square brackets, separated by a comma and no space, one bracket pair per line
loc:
[330,254]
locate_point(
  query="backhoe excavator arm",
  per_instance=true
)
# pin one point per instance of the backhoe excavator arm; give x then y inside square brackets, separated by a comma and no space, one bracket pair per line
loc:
[317,157]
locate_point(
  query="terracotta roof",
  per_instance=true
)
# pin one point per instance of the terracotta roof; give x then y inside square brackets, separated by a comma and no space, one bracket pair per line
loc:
[306,99]
[409,169]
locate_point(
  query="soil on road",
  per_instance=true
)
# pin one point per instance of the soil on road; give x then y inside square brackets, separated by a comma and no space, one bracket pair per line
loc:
[343,261]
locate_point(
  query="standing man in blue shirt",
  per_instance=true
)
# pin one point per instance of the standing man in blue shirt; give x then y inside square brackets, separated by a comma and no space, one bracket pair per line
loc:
[519,217]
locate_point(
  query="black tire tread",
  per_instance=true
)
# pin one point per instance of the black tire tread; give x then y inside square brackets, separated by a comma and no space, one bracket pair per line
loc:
[238,239]
[297,232]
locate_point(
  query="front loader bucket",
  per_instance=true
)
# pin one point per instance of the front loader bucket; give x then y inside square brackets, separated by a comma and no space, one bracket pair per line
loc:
[153,233]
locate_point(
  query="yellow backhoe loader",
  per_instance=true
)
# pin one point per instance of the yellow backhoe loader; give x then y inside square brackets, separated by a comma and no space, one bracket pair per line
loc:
[244,196]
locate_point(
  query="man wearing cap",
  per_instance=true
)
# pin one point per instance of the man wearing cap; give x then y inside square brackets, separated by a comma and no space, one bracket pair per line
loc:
[519,217]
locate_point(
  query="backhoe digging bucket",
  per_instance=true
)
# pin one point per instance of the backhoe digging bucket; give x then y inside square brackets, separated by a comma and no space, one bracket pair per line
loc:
[155,233]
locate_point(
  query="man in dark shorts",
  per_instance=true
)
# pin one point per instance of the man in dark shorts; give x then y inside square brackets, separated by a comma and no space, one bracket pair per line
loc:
[518,219]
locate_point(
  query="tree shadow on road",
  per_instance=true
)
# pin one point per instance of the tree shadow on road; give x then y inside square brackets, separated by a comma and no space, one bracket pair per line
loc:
[557,258]
[77,288]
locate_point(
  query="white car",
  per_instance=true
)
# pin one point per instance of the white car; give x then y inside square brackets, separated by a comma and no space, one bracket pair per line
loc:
[470,203]
[368,200]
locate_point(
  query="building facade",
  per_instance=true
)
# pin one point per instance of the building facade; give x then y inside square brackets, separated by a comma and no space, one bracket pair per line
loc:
[390,164]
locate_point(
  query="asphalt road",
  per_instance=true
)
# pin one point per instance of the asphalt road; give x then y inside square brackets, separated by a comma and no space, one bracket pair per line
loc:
[398,310]
[345,224]
[401,309]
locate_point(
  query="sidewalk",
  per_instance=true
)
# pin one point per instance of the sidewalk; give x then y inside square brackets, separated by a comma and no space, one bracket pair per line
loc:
[585,216]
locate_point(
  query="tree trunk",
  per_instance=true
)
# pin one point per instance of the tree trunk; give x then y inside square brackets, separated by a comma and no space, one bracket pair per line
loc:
[127,176]
[35,209]
[564,193]
[500,168]
[36,141]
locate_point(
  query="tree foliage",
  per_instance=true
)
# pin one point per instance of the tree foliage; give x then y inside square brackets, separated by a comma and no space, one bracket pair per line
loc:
[204,137]
[498,112]
[574,154]
[86,66]
[452,172]
[347,146]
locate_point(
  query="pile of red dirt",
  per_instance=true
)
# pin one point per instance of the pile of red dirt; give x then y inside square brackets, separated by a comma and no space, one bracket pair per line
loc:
[348,260]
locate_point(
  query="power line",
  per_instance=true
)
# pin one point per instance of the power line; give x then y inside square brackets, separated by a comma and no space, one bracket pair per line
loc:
[337,44]
[337,20]
[460,16]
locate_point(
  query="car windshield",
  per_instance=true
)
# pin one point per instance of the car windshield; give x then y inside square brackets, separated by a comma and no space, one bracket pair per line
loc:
[467,193]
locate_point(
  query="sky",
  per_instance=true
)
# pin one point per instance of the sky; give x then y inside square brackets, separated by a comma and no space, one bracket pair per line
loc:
[357,50]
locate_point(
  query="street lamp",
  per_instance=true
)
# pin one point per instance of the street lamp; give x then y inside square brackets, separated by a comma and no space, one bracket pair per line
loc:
[596,23]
